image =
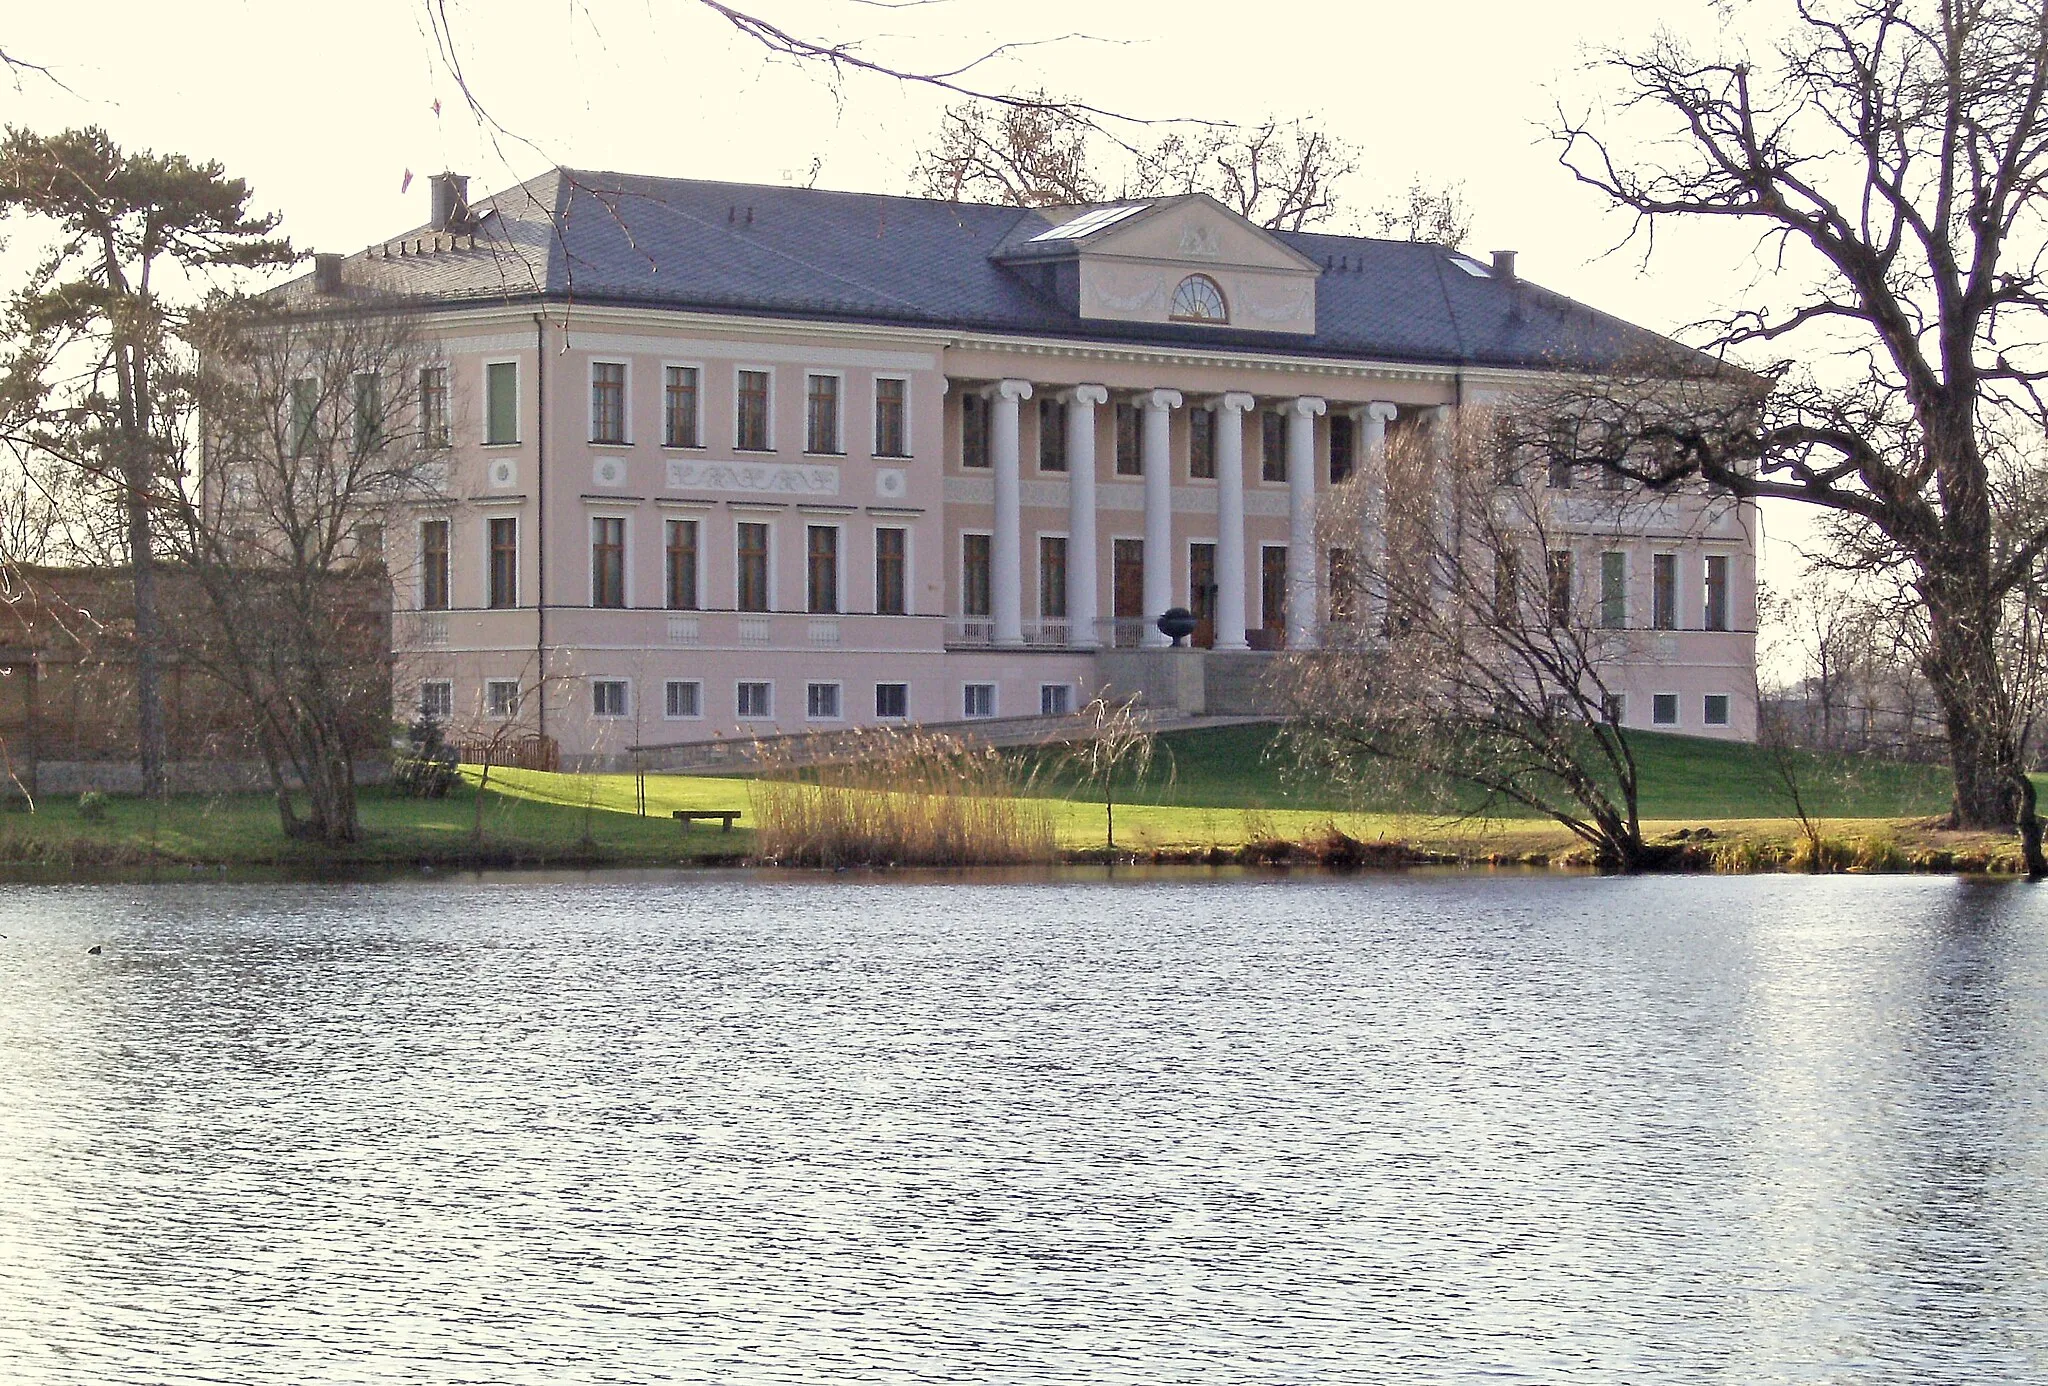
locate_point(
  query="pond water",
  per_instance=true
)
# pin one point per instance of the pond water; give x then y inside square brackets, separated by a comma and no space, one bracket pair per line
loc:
[1164,1130]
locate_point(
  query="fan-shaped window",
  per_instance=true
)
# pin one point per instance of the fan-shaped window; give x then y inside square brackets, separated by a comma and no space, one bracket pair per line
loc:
[1199,300]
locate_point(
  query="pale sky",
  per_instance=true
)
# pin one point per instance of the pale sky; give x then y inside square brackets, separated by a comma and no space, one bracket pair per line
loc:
[323,108]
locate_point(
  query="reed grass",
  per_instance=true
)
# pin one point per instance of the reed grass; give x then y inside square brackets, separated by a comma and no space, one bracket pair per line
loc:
[901,796]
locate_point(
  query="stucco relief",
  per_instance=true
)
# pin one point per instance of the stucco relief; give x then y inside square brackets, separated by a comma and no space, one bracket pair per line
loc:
[1290,307]
[1205,242]
[1128,293]
[753,478]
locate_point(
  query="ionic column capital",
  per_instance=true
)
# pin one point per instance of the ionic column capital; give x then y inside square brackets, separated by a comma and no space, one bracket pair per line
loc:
[1160,399]
[1236,402]
[1013,389]
[1307,406]
[1087,394]
[1382,410]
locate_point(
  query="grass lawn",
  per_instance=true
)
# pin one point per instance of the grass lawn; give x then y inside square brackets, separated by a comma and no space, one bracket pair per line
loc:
[1224,788]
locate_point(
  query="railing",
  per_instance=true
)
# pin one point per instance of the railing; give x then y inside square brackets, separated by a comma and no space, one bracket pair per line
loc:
[979,633]
[423,630]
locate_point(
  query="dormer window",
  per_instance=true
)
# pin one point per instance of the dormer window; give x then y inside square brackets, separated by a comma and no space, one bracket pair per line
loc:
[1197,299]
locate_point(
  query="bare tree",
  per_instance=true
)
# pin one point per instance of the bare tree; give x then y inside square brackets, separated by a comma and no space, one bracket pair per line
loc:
[1024,156]
[1893,155]
[310,437]
[1473,643]
[1438,215]
[1118,741]
[1283,175]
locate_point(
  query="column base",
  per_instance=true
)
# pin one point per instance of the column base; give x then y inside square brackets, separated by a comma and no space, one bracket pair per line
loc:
[1231,646]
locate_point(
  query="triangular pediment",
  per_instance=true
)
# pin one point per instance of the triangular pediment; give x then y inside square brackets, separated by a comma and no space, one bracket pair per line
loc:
[1185,260]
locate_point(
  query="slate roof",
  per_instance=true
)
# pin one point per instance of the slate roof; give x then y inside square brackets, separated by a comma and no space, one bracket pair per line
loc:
[626,240]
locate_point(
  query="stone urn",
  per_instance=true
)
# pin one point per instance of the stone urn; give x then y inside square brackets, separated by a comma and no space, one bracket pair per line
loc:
[1177,624]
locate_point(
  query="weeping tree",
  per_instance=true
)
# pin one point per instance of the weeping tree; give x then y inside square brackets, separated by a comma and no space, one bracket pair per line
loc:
[1892,156]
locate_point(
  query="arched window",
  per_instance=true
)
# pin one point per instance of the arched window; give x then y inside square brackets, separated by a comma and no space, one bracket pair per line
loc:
[1197,299]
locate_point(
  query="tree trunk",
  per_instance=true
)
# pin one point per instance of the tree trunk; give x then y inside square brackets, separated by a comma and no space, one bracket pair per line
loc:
[1962,668]
[151,744]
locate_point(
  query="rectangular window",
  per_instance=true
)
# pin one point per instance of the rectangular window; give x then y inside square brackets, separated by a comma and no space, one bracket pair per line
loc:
[607,402]
[1202,592]
[1201,442]
[1559,572]
[892,701]
[752,552]
[437,699]
[978,700]
[1507,584]
[1563,449]
[892,417]
[1664,709]
[434,406]
[821,414]
[368,398]
[1052,435]
[1664,591]
[974,575]
[305,416]
[504,562]
[608,697]
[501,402]
[679,408]
[756,700]
[973,431]
[607,561]
[682,565]
[1560,478]
[1341,448]
[750,417]
[1272,446]
[821,575]
[1127,590]
[1128,460]
[892,562]
[1717,592]
[1613,590]
[1614,709]
[501,699]
[821,702]
[1714,710]
[682,698]
[1052,577]
[1055,699]
[434,565]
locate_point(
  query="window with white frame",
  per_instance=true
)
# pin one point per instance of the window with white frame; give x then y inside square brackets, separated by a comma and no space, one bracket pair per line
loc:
[683,698]
[892,416]
[434,565]
[608,560]
[750,415]
[755,699]
[821,702]
[607,401]
[501,699]
[501,402]
[821,414]
[978,699]
[1664,709]
[680,403]
[1714,710]
[892,702]
[434,406]
[608,697]
[1055,699]
[437,699]
[821,569]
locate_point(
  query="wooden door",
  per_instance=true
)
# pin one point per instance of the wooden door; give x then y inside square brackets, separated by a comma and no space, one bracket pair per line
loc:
[1127,585]
[1273,595]
[1202,593]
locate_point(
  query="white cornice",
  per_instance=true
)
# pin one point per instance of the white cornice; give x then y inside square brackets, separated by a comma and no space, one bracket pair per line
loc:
[1182,357]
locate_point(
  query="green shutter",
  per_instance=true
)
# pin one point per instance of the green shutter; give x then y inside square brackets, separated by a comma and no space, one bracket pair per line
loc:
[501,396]
[1614,590]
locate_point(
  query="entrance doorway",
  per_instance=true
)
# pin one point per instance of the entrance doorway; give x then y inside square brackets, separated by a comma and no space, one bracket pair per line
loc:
[1127,587]
[1202,593]
[1273,596]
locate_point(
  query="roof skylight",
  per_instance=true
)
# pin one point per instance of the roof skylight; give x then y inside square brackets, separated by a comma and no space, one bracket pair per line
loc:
[1472,267]
[1088,223]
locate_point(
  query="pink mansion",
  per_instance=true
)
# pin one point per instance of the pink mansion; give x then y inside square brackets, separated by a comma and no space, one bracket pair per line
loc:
[725,460]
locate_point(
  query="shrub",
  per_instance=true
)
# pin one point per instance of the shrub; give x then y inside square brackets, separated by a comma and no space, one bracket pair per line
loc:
[92,806]
[426,768]
[1824,855]
[1879,854]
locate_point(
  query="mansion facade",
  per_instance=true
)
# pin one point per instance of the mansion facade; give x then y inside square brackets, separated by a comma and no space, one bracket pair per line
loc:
[716,460]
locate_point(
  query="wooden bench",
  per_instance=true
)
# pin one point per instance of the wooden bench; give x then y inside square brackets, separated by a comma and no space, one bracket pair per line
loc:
[725,816]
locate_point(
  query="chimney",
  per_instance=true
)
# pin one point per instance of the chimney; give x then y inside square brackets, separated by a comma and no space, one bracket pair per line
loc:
[327,273]
[1504,265]
[451,201]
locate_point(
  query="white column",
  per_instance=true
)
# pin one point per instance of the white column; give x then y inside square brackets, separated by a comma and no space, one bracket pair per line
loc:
[1304,570]
[1156,407]
[1230,587]
[1372,537]
[1006,547]
[1084,604]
